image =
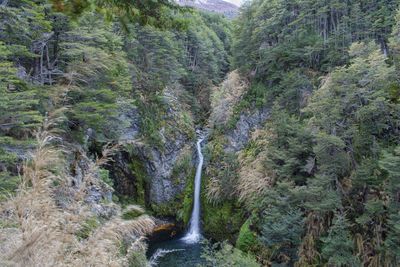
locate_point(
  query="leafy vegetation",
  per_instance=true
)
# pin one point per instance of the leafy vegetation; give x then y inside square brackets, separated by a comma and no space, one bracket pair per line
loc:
[316,184]
[78,76]
[224,254]
[316,181]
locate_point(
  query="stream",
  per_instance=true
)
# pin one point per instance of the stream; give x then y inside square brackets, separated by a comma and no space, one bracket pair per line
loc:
[185,250]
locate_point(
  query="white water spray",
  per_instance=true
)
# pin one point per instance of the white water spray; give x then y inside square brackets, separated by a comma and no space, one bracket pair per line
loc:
[159,254]
[193,235]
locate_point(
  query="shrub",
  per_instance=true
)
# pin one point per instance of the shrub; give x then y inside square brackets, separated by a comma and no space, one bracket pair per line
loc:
[247,238]
[225,255]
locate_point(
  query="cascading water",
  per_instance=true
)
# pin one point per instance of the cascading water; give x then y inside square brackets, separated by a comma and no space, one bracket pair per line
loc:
[194,235]
[186,251]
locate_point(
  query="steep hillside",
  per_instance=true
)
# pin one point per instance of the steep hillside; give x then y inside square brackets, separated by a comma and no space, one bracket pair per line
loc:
[304,149]
[97,124]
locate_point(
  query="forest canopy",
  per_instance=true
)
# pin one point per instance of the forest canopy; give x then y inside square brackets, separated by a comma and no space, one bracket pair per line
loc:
[297,103]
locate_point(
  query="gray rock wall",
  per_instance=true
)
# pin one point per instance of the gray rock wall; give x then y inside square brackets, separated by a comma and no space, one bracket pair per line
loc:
[248,122]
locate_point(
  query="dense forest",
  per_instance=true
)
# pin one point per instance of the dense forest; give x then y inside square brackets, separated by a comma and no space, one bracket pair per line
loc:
[298,103]
[319,181]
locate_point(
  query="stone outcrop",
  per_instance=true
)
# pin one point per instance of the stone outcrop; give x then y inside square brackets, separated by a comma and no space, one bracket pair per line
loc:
[157,160]
[248,122]
[159,165]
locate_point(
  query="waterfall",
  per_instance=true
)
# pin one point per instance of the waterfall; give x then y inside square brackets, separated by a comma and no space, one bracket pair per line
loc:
[193,235]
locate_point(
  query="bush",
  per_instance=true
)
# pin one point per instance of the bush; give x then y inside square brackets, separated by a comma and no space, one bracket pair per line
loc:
[225,255]
[222,221]
[247,239]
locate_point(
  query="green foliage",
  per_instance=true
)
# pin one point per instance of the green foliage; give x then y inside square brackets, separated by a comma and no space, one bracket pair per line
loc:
[282,230]
[290,146]
[105,177]
[255,96]
[8,184]
[222,168]
[187,206]
[108,63]
[282,227]
[100,73]
[131,215]
[137,259]
[225,255]
[390,163]
[338,246]
[320,195]
[124,200]
[222,221]
[157,13]
[247,239]
[195,56]
[151,113]
[392,243]
[88,226]
[139,171]
[168,209]
[331,141]
[275,36]
[19,102]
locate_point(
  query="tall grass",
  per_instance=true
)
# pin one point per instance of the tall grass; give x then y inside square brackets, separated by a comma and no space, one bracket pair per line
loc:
[225,98]
[254,178]
[36,231]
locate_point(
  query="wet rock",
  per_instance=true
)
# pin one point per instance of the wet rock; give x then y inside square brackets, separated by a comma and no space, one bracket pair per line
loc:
[164,230]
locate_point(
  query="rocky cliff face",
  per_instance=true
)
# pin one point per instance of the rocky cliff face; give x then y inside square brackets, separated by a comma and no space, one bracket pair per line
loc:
[232,126]
[159,166]
[248,122]
[218,6]
[145,171]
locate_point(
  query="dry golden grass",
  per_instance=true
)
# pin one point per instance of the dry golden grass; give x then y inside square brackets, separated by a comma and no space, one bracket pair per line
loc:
[33,210]
[317,225]
[214,191]
[308,252]
[225,97]
[40,233]
[102,248]
[254,178]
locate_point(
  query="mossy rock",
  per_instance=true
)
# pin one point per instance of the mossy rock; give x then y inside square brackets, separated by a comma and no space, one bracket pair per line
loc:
[169,209]
[222,221]
[187,207]
[181,207]
[138,169]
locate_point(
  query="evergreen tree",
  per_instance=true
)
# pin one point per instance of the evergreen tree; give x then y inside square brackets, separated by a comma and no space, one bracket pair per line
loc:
[338,246]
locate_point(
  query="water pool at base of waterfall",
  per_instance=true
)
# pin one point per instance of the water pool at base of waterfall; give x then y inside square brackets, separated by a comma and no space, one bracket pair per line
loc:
[175,253]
